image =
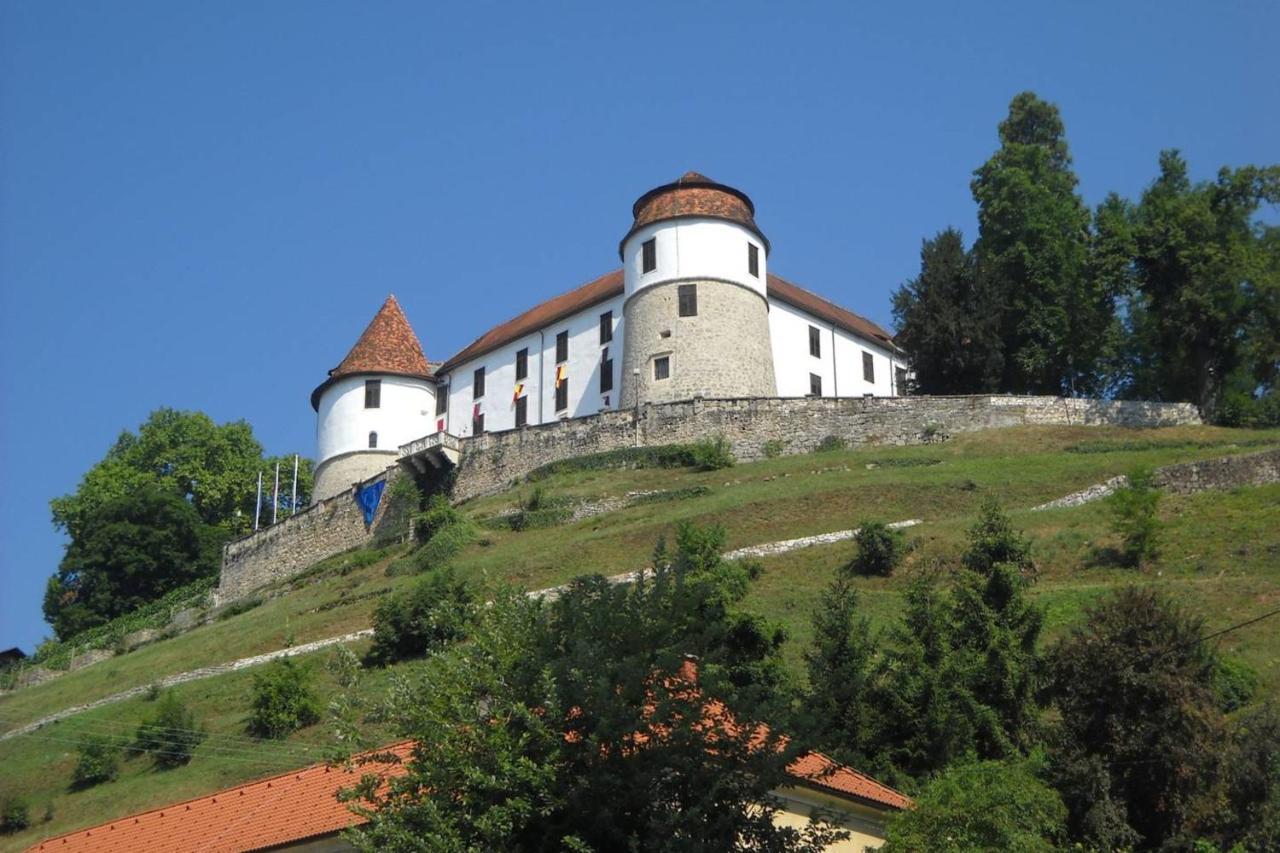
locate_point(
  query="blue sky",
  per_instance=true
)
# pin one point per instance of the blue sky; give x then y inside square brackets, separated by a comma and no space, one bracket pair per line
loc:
[202,204]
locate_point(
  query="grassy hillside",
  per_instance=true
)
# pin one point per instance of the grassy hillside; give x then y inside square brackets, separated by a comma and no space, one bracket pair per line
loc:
[1221,556]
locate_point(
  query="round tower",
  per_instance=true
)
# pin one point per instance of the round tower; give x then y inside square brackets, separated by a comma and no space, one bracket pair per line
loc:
[696,311]
[381,396]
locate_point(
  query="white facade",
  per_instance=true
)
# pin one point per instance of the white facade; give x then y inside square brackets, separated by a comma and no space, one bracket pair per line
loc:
[694,248]
[840,362]
[582,374]
[344,425]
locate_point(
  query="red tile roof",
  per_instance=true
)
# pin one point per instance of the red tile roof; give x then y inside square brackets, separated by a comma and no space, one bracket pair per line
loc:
[290,807]
[388,345]
[610,285]
[693,194]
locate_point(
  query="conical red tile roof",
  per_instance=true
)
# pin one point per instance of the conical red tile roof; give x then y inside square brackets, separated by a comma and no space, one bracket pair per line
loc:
[694,194]
[388,345]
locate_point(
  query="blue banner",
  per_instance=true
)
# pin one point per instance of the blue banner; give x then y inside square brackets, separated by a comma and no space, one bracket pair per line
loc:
[369,497]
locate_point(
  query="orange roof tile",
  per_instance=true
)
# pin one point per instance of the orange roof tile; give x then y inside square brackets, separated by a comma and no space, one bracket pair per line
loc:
[388,345]
[289,807]
[693,194]
[610,285]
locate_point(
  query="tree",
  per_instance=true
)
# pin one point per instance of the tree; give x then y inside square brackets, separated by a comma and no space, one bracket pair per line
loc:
[839,663]
[1139,734]
[1251,813]
[945,324]
[171,735]
[134,549]
[282,701]
[1205,305]
[1032,256]
[987,805]
[97,761]
[431,613]
[1133,516]
[880,549]
[993,542]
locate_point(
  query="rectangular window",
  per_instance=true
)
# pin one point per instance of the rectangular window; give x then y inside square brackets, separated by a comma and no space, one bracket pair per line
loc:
[522,411]
[815,385]
[373,393]
[662,367]
[815,342]
[649,252]
[688,295]
[606,327]
[373,441]
[477,424]
[606,372]
[753,259]
[522,364]
[562,347]
[477,384]
[442,399]
[868,367]
[900,380]
[562,395]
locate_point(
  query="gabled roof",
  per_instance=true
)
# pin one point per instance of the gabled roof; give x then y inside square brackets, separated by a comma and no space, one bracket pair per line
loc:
[610,285]
[388,345]
[290,807]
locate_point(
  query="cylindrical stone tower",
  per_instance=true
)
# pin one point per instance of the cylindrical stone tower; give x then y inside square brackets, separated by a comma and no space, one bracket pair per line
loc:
[381,396]
[696,311]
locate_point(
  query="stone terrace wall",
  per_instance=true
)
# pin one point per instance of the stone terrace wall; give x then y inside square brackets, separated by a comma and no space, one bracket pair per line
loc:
[1230,472]
[288,547]
[494,461]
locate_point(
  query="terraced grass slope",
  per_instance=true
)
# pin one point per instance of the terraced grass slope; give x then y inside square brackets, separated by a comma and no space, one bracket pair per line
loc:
[1221,556]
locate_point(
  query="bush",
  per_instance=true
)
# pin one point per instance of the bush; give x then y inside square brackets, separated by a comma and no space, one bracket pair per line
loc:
[830,443]
[1241,409]
[14,816]
[880,549]
[774,447]
[235,608]
[433,612]
[172,735]
[438,515]
[98,761]
[712,454]
[993,541]
[1235,682]
[282,700]
[1133,516]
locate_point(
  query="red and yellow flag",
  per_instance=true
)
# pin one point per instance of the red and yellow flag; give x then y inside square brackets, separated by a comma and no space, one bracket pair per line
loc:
[561,373]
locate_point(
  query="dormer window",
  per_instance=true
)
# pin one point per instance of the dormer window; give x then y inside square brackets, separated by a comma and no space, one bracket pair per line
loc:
[373,393]
[649,255]
[753,259]
[373,441]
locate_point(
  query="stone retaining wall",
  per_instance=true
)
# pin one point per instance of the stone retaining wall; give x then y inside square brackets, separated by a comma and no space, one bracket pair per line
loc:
[1228,472]
[494,461]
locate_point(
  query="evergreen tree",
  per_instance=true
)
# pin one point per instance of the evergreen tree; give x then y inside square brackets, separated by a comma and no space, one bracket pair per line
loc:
[839,663]
[1032,256]
[945,325]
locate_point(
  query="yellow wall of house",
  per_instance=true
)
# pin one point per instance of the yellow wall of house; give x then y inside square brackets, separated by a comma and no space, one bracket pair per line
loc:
[865,824]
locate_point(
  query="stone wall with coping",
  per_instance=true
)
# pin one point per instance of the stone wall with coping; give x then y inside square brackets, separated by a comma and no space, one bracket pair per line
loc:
[290,546]
[494,461]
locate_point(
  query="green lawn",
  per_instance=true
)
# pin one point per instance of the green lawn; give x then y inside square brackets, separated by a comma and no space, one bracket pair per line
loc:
[1221,556]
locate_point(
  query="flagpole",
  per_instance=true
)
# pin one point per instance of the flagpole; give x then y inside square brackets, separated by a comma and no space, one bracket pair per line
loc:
[293,500]
[275,496]
[257,510]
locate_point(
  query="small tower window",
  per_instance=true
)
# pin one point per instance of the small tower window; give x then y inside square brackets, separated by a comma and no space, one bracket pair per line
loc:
[606,327]
[868,367]
[522,364]
[649,255]
[477,384]
[373,440]
[373,393]
[442,399]
[753,259]
[662,367]
[562,347]
[688,296]
[815,385]
[815,342]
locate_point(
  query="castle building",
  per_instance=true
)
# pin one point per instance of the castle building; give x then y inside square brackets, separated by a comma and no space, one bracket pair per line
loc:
[693,312]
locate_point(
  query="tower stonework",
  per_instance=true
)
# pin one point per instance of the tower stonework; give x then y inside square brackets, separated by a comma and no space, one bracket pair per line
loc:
[696,311]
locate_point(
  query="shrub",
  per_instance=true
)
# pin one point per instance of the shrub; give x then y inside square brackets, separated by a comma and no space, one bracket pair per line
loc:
[1235,682]
[282,700]
[14,816]
[98,761]
[993,541]
[880,549]
[153,692]
[830,443]
[433,612]
[712,454]
[438,515]
[172,735]
[773,448]
[235,608]
[1133,516]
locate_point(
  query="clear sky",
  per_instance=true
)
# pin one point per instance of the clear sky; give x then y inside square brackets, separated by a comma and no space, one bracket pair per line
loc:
[203,204]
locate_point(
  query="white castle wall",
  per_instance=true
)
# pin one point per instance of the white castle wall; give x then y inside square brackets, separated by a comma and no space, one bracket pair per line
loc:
[583,370]
[840,363]
[694,248]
